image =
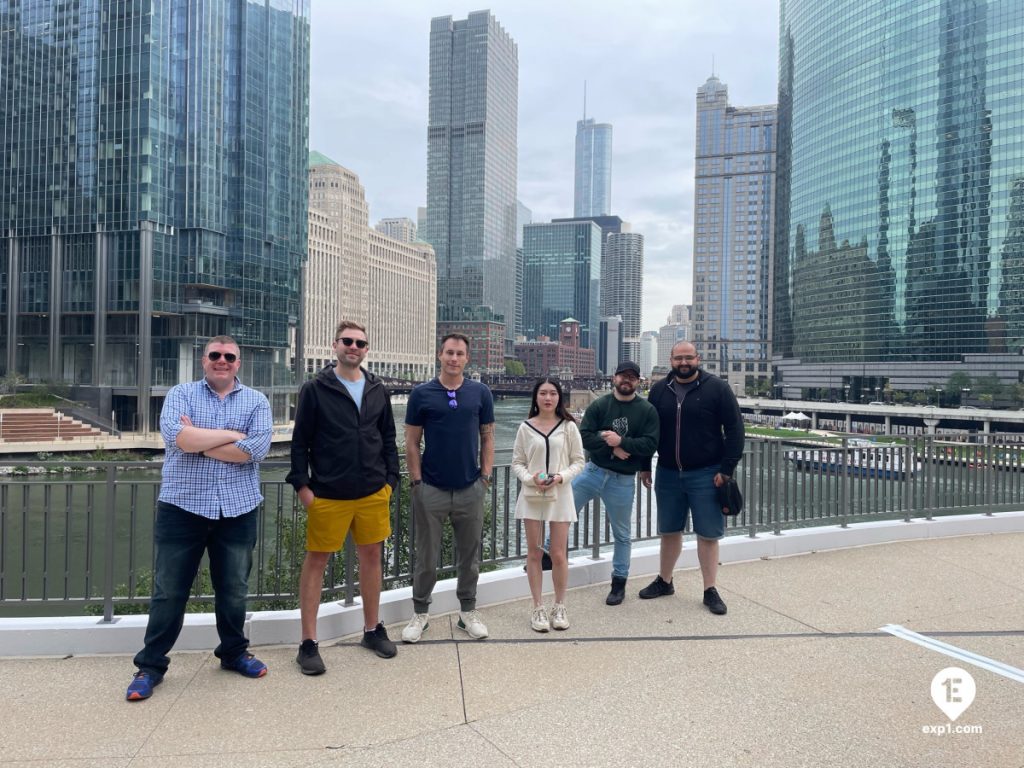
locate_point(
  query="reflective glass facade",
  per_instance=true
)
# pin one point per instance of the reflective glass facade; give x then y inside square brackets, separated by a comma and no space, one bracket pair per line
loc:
[152,191]
[471,168]
[900,181]
[593,187]
[562,270]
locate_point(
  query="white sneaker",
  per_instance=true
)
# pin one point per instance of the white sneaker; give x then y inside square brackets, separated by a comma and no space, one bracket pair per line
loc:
[539,619]
[414,629]
[471,623]
[559,618]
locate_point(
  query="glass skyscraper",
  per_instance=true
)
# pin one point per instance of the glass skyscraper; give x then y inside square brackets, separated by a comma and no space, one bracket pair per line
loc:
[899,255]
[733,196]
[562,268]
[593,188]
[152,192]
[471,168]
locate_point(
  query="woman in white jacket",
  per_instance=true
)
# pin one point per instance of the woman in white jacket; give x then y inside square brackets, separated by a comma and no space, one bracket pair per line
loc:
[548,454]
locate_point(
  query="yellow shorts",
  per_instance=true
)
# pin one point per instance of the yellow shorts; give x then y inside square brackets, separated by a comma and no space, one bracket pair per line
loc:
[328,520]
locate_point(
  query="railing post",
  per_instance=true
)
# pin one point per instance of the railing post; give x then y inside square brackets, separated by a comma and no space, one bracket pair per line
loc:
[108,576]
[845,480]
[910,478]
[350,571]
[595,545]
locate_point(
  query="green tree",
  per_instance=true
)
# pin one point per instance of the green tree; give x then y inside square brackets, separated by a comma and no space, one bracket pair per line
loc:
[514,368]
[990,385]
[957,382]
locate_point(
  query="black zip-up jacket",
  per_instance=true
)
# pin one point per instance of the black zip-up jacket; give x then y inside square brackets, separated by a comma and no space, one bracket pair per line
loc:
[338,451]
[706,431]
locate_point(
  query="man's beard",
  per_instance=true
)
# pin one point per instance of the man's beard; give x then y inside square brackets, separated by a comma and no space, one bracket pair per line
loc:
[630,388]
[685,371]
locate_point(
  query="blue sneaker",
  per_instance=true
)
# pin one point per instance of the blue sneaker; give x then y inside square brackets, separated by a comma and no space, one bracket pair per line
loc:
[247,665]
[142,686]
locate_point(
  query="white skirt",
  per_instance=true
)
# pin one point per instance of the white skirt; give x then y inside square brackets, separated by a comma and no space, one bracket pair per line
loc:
[560,510]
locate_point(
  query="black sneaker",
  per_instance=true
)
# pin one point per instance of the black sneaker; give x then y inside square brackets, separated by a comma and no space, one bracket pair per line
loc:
[309,658]
[714,601]
[378,642]
[617,592]
[657,588]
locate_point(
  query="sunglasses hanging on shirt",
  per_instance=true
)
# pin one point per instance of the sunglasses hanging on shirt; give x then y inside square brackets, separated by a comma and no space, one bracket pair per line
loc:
[452,402]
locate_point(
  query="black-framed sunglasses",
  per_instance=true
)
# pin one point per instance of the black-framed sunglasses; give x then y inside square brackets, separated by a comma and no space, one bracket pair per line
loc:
[452,402]
[348,341]
[228,356]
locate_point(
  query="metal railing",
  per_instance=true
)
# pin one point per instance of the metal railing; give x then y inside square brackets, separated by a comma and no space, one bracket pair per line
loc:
[76,540]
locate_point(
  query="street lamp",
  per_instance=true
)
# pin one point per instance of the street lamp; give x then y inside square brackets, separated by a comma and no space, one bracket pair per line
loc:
[965,395]
[846,393]
[938,396]
[877,391]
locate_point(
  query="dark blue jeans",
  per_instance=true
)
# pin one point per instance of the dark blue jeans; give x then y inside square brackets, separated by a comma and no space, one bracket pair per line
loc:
[181,538]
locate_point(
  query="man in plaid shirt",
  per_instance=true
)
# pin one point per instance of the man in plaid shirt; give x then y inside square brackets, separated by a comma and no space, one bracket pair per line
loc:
[216,432]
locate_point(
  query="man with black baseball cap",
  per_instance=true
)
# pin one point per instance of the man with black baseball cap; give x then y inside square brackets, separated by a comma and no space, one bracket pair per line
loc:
[620,434]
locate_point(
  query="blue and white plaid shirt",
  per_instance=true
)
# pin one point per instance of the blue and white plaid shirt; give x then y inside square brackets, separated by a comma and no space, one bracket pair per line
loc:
[210,487]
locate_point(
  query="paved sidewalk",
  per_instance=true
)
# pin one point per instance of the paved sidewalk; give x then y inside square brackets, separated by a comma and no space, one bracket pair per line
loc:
[797,674]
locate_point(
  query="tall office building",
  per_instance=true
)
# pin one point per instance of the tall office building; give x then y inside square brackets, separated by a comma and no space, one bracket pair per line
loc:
[622,283]
[403,312]
[562,266]
[609,344]
[471,169]
[343,287]
[898,216]
[593,187]
[647,358]
[524,216]
[402,229]
[732,245]
[678,327]
[152,194]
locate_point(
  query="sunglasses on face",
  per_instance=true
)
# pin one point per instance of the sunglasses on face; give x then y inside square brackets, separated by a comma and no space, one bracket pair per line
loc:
[348,341]
[229,357]
[452,402]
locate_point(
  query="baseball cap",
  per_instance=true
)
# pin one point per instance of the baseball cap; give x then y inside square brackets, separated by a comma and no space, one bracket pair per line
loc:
[627,366]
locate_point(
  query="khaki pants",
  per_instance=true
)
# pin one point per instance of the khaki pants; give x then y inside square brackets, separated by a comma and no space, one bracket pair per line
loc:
[430,508]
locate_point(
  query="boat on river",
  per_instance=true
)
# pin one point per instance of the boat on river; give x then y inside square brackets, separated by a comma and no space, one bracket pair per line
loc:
[861,458]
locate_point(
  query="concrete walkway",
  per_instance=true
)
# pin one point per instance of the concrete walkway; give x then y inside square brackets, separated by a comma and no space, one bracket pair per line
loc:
[797,674]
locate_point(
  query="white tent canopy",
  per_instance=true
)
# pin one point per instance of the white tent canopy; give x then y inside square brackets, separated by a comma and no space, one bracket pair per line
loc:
[796,416]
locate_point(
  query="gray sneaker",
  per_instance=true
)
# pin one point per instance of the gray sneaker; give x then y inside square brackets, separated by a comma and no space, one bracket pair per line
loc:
[309,658]
[414,629]
[471,623]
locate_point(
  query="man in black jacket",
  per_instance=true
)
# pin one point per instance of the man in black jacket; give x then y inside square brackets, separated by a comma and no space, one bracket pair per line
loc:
[700,445]
[344,468]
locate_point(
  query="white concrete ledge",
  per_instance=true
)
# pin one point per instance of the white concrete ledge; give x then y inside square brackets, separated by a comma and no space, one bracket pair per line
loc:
[89,635]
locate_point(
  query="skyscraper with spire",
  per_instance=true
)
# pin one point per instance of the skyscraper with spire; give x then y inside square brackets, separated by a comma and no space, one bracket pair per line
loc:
[593,188]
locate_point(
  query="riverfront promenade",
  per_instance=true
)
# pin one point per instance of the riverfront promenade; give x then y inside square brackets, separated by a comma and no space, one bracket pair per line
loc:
[797,674]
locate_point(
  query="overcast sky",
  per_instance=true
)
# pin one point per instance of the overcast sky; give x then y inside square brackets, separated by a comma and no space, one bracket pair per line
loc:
[643,61]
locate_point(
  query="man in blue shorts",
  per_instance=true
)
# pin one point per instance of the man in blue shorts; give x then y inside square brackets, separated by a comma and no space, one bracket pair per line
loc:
[456,416]
[701,443]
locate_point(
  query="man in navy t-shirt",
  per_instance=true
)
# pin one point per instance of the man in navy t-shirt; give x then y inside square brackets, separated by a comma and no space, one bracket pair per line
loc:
[456,415]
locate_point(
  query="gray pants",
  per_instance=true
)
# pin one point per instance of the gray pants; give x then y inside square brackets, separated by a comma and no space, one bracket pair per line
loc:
[430,508]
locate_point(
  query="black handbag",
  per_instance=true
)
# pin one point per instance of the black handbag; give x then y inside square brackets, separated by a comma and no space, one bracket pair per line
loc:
[729,497]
